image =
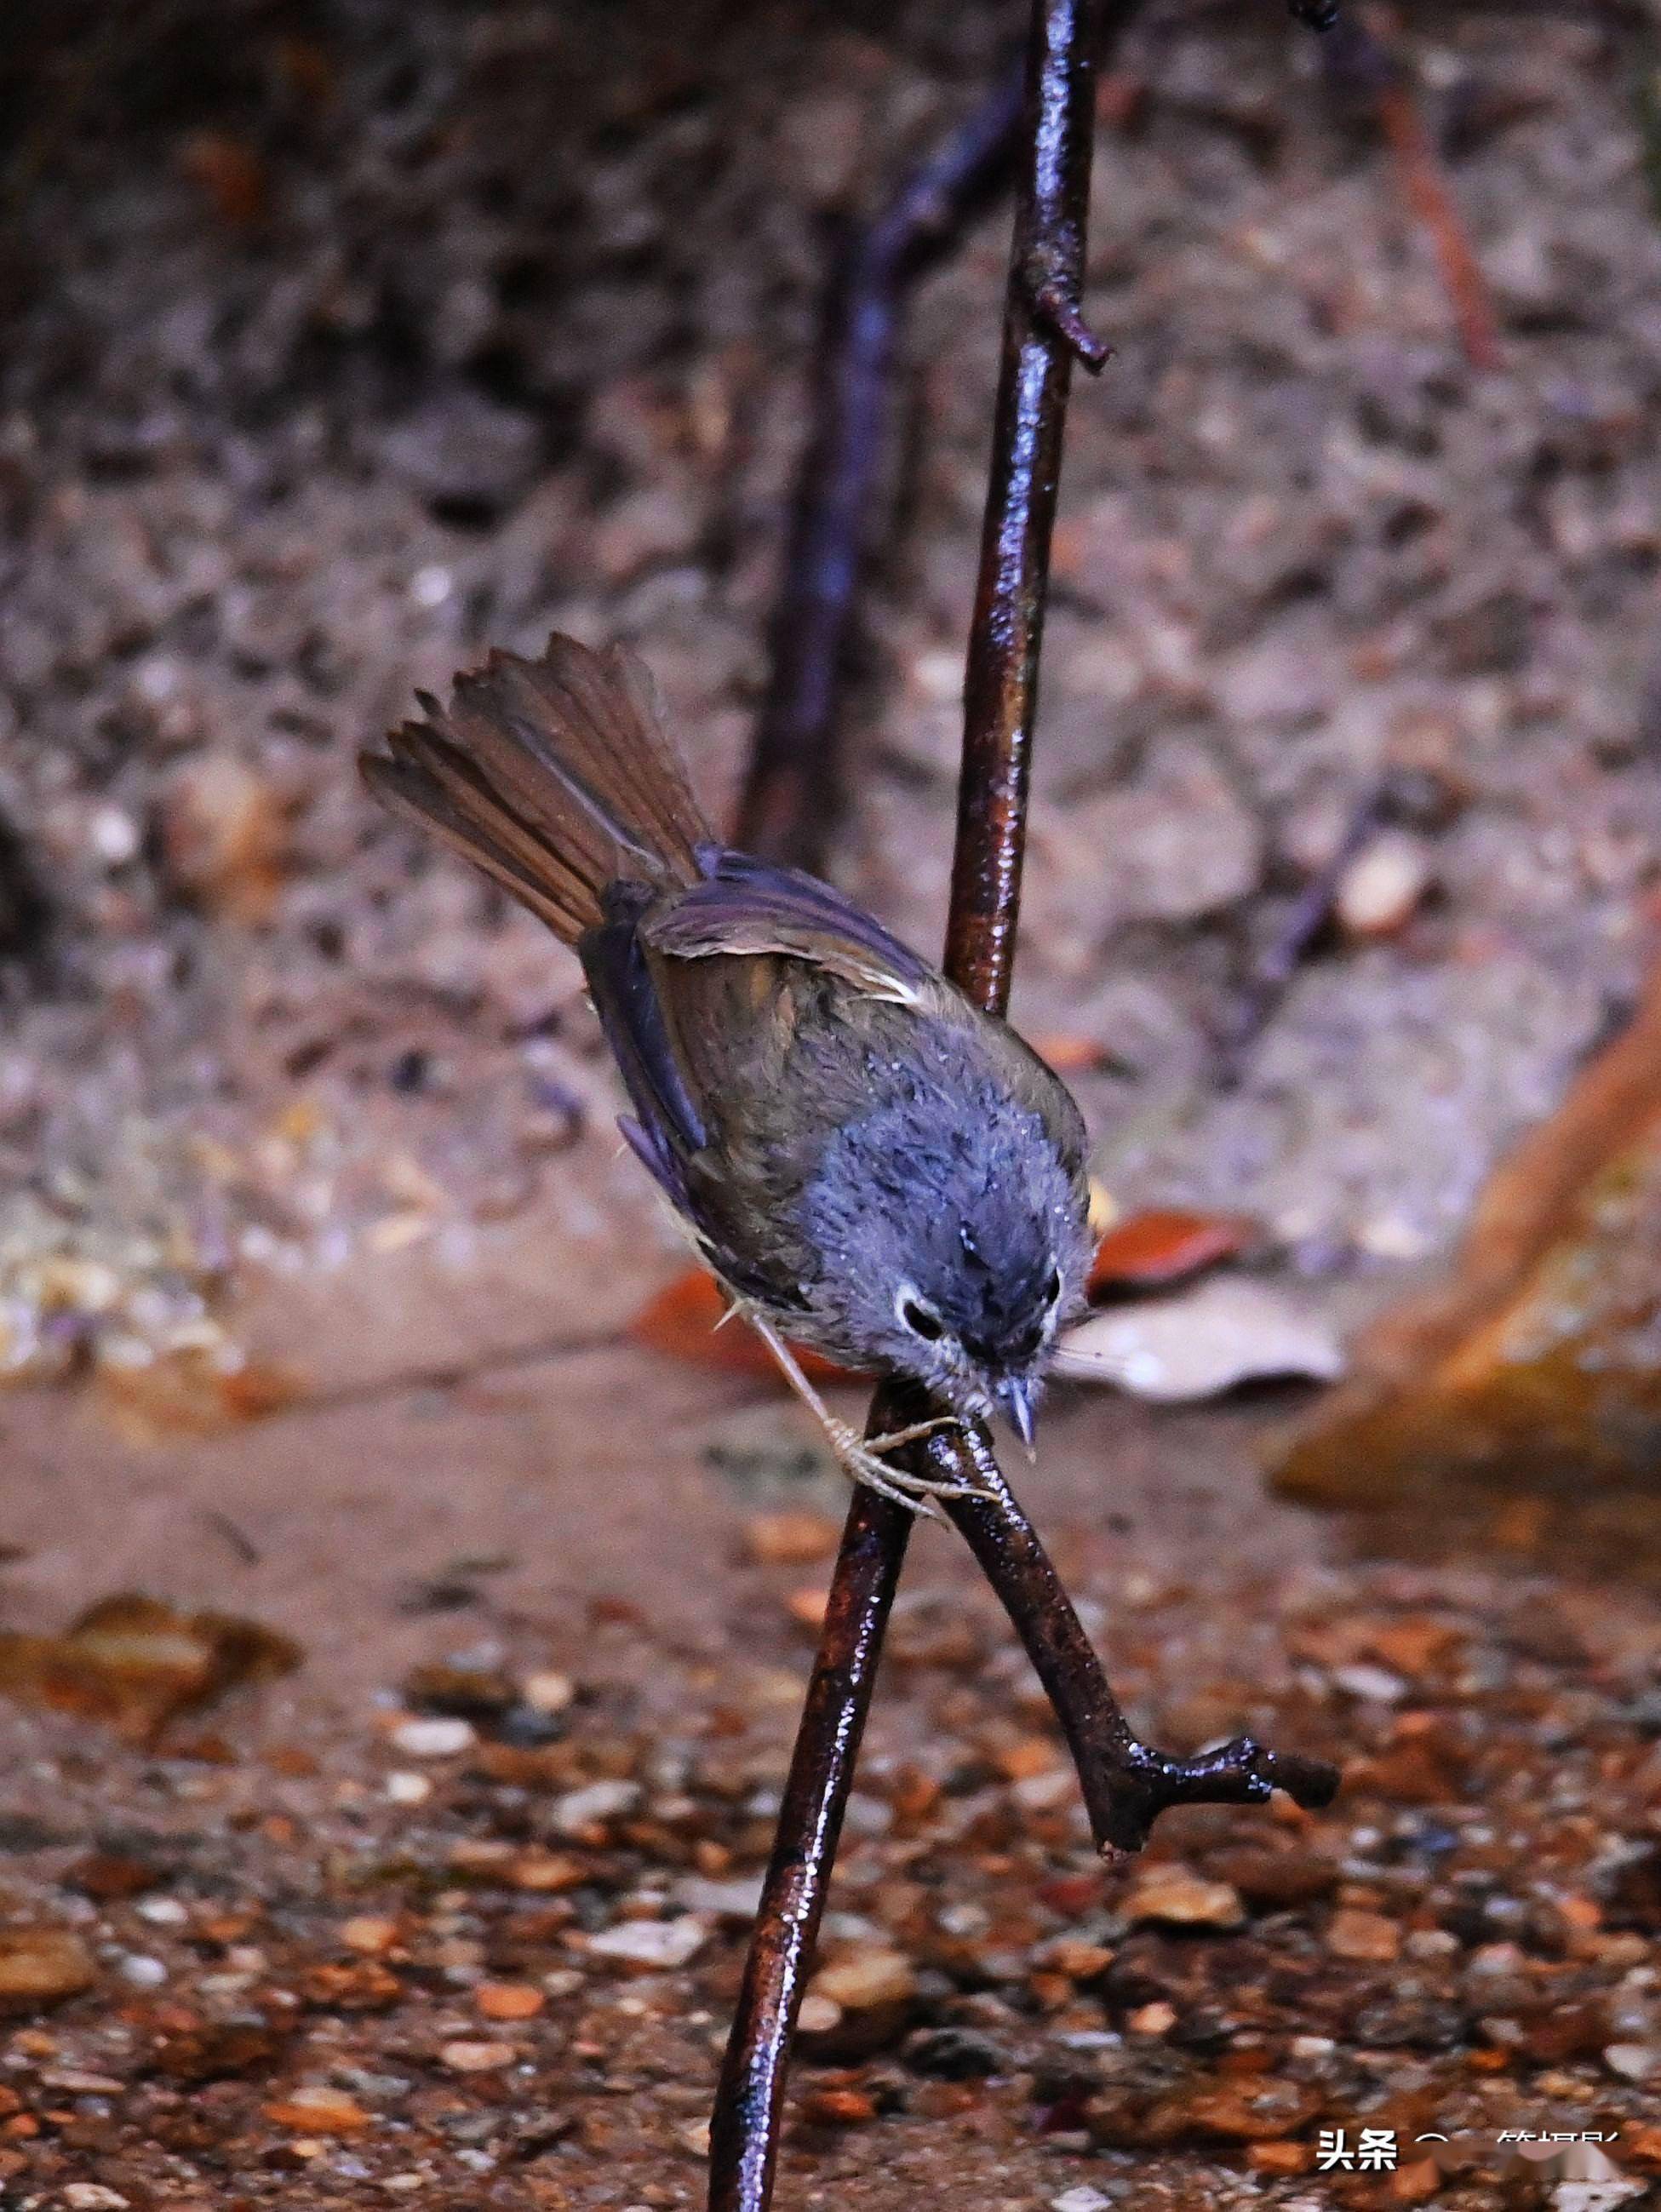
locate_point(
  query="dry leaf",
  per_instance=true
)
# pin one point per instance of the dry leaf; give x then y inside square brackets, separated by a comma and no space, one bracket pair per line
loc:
[135,1663]
[685,1320]
[191,1392]
[1163,1245]
[1199,1344]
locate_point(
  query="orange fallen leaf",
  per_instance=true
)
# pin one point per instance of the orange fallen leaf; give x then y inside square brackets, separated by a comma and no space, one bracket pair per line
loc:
[683,1319]
[1166,1244]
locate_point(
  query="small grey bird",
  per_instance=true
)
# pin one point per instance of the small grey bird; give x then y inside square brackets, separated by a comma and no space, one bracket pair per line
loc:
[869,1164]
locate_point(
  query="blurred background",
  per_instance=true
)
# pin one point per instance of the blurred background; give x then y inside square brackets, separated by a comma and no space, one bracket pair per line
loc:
[342,342]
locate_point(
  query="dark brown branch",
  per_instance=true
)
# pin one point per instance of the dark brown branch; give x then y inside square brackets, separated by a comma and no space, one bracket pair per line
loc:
[1126,1784]
[1000,695]
[792,796]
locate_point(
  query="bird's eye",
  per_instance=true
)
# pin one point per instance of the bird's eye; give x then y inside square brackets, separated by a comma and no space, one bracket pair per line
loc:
[918,1318]
[1052,1289]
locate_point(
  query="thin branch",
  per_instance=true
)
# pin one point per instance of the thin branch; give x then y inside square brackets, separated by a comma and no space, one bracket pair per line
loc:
[1126,1784]
[1365,66]
[1000,695]
[791,795]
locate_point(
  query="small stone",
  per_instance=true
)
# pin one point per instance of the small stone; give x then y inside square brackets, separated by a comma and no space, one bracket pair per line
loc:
[1280,2157]
[466,2056]
[664,1944]
[508,1999]
[1177,1899]
[439,1737]
[1635,2062]
[42,1967]
[1156,2019]
[93,2197]
[548,1692]
[369,1934]
[318,2110]
[1384,884]
[739,1898]
[161,1911]
[806,1605]
[114,836]
[819,2016]
[955,2054]
[1082,2199]
[142,1971]
[1372,1685]
[795,1539]
[404,1788]
[544,1872]
[838,2108]
[695,2138]
[861,1980]
[1366,1936]
[580,1809]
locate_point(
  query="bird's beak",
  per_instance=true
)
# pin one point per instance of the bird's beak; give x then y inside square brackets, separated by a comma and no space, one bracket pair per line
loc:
[1019,1397]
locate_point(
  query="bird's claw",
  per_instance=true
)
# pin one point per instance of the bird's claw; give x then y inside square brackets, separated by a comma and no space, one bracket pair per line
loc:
[860,1457]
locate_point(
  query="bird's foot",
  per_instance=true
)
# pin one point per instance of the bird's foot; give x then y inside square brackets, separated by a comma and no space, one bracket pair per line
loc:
[861,1458]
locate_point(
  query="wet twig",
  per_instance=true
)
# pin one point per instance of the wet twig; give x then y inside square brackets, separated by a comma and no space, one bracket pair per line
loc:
[791,795]
[1364,66]
[1126,1784]
[1310,912]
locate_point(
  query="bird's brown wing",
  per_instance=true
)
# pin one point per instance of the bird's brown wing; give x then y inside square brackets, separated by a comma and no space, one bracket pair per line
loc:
[745,907]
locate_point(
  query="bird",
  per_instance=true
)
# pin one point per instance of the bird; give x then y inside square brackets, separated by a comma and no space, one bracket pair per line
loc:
[871,1167]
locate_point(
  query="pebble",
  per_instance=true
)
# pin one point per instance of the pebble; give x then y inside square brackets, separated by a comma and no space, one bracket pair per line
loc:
[861,1979]
[662,1943]
[797,1538]
[1083,2199]
[93,2197]
[366,1933]
[1372,1685]
[1180,1899]
[598,1801]
[548,1692]
[466,2057]
[1384,884]
[1635,2062]
[438,1737]
[737,1900]
[142,1971]
[1353,1934]
[316,2109]
[40,1965]
[806,1605]
[404,1788]
[161,1911]
[508,1999]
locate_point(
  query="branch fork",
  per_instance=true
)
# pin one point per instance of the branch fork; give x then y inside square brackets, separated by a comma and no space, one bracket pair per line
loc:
[1126,1784]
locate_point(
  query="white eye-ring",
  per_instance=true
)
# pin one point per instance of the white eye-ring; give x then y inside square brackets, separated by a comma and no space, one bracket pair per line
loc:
[921,1320]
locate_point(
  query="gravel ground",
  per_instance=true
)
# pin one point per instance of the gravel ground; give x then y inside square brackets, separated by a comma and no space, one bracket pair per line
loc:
[344,342]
